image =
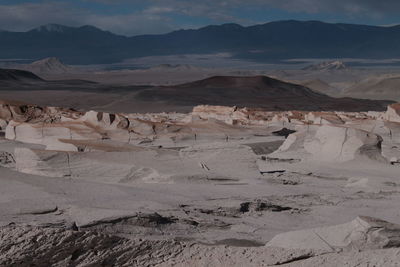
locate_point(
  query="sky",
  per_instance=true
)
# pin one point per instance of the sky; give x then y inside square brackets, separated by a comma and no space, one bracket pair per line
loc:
[135,17]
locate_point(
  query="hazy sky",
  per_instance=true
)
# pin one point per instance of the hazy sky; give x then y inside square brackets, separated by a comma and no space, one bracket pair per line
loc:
[132,17]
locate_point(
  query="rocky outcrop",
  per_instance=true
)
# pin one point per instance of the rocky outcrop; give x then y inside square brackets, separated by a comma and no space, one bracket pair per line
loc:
[61,129]
[3,125]
[55,128]
[246,116]
[393,113]
[22,112]
[363,233]
[24,245]
[28,246]
[332,144]
[229,115]
[199,164]
[323,118]
[72,164]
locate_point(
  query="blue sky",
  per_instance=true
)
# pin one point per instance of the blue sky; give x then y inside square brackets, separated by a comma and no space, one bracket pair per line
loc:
[133,17]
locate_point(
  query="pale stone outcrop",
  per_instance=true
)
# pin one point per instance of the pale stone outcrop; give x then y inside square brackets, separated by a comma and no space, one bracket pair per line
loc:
[332,144]
[58,128]
[145,165]
[323,118]
[393,113]
[3,125]
[246,116]
[363,233]
[51,126]
[24,245]
[229,115]
[72,164]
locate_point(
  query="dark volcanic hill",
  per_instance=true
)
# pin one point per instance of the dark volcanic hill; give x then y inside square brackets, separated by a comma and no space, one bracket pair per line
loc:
[11,75]
[265,42]
[254,92]
[258,92]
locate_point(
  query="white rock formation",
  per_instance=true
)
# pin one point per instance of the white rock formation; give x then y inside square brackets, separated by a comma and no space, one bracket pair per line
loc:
[60,247]
[393,113]
[323,118]
[332,144]
[143,165]
[363,233]
[229,115]
[3,125]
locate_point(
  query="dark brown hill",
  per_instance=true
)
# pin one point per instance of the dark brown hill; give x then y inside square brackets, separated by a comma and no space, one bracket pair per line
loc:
[256,91]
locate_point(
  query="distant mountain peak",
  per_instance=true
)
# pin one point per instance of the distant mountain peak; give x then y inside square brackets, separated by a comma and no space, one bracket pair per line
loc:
[225,26]
[293,21]
[232,25]
[328,65]
[51,28]
[178,67]
[90,28]
[49,60]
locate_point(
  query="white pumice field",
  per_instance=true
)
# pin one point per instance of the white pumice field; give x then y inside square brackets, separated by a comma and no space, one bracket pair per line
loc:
[218,186]
[199,133]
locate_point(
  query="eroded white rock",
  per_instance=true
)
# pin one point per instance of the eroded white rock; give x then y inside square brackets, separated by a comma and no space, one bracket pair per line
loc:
[363,233]
[330,143]
[393,113]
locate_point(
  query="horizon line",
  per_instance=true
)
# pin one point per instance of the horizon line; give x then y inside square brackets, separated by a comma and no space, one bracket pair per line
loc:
[202,27]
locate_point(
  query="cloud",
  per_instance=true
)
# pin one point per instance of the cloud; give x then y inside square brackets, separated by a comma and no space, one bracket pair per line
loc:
[349,7]
[158,10]
[309,6]
[20,17]
[132,24]
[223,11]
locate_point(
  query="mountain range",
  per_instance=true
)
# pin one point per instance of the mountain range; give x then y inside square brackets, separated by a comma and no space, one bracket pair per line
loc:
[265,42]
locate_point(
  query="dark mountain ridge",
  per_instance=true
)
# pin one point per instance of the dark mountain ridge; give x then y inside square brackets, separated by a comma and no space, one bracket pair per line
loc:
[267,42]
[11,75]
